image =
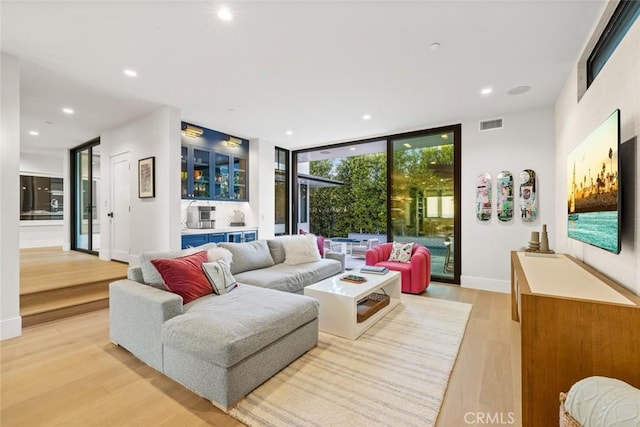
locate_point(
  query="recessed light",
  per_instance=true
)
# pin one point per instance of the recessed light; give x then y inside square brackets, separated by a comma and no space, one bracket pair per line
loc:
[434,46]
[34,132]
[130,73]
[486,91]
[68,110]
[444,136]
[519,90]
[352,148]
[225,14]
[406,144]
[289,132]
[366,117]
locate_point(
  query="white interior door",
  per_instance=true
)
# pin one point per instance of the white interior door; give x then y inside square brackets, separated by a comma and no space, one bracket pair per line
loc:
[119,212]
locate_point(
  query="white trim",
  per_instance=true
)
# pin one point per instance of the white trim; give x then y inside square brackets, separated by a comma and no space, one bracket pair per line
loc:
[42,174]
[41,243]
[481,283]
[10,328]
[40,222]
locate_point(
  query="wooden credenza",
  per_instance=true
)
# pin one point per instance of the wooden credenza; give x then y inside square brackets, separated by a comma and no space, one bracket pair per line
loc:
[574,322]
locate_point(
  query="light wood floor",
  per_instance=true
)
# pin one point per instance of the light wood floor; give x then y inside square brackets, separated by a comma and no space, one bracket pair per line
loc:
[44,269]
[68,373]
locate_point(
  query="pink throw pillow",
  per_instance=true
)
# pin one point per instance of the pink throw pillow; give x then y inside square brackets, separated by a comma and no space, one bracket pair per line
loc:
[184,275]
[320,241]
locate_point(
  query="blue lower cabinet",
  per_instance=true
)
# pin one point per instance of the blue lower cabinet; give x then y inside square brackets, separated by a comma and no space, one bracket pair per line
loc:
[193,240]
[234,237]
[218,238]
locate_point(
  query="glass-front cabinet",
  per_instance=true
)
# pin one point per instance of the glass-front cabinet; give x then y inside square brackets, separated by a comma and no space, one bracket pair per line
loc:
[184,172]
[195,173]
[230,177]
[222,176]
[213,165]
[201,174]
[239,178]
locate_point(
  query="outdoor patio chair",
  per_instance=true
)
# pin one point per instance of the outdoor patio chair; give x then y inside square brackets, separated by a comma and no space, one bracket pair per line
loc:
[448,258]
[359,250]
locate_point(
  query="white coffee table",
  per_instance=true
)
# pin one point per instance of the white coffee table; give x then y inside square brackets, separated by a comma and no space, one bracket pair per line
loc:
[339,299]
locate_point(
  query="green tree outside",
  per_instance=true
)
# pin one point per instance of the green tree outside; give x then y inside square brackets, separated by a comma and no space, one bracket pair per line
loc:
[360,205]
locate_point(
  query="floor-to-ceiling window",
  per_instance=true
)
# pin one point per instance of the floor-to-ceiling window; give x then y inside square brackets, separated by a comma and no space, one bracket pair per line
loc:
[281,192]
[402,187]
[341,191]
[423,196]
[85,168]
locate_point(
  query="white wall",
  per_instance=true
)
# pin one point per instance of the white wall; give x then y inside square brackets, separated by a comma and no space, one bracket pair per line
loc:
[44,164]
[262,186]
[617,86]
[154,222]
[10,320]
[525,142]
[34,234]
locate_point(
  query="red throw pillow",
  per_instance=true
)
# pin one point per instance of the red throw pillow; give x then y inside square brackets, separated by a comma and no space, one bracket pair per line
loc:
[184,276]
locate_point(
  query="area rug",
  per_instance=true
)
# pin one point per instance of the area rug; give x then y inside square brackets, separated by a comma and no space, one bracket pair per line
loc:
[395,374]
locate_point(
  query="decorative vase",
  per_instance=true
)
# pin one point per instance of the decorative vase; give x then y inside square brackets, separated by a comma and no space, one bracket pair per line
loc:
[544,239]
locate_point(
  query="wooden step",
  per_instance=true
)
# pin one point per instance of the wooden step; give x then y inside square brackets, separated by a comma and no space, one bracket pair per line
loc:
[44,269]
[55,284]
[58,303]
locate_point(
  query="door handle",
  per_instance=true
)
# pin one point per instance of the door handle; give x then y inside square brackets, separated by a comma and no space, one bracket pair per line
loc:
[110,214]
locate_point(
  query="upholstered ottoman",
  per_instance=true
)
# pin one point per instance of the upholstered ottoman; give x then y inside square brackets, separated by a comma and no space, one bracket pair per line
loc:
[222,348]
[600,402]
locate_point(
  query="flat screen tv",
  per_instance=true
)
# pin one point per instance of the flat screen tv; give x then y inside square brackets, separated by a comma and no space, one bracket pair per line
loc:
[593,199]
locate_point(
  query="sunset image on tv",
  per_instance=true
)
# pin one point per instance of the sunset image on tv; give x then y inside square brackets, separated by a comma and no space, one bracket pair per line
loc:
[592,199]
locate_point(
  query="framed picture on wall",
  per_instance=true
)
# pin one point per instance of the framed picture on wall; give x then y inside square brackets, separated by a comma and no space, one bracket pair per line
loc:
[147,178]
[41,198]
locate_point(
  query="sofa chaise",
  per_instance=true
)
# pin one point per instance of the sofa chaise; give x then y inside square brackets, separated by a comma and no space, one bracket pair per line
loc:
[222,346]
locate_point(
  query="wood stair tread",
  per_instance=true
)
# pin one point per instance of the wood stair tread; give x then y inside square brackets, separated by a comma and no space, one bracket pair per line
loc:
[55,284]
[74,284]
[44,305]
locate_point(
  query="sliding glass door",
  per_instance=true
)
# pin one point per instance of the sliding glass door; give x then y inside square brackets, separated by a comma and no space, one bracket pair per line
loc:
[85,167]
[403,187]
[281,191]
[423,195]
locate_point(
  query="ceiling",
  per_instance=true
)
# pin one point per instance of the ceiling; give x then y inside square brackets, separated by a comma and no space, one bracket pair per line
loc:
[309,67]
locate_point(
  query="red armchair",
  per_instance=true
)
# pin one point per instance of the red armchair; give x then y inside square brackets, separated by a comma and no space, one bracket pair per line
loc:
[416,275]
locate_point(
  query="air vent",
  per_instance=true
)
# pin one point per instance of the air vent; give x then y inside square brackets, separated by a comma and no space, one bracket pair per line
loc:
[491,124]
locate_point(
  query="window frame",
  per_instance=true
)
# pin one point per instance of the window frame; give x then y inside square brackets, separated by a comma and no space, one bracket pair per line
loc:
[619,23]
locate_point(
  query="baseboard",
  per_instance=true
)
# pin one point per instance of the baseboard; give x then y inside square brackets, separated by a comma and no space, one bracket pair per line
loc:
[481,283]
[10,328]
[29,244]
[104,254]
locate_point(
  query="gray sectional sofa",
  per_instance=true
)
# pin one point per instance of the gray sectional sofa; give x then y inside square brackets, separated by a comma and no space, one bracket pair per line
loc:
[223,346]
[261,263]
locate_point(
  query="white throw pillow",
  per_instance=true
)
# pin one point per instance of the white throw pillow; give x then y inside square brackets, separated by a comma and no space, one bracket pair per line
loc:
[300,249]
[401,252]
[220,277]
[220,253]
